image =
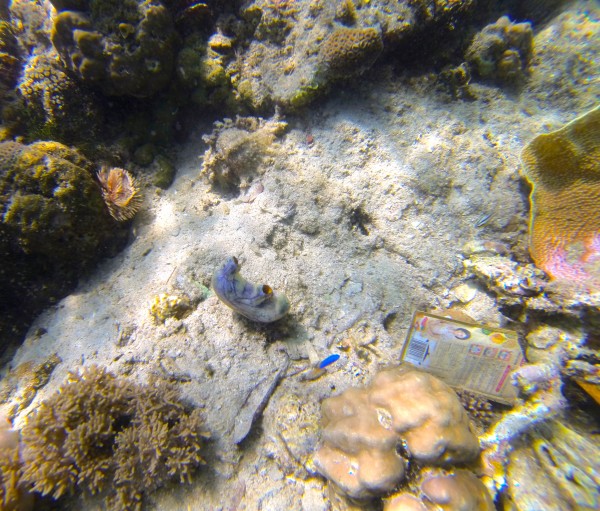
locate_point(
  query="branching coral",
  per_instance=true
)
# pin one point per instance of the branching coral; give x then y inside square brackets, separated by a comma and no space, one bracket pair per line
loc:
[13,495]
[112,437]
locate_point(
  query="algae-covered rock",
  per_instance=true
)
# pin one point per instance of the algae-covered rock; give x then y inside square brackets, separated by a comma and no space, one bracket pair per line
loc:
[9,56]
[54,226]
[124,47]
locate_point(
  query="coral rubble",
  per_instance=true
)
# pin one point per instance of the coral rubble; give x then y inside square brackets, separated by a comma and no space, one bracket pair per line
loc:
[556,453]
[109,436]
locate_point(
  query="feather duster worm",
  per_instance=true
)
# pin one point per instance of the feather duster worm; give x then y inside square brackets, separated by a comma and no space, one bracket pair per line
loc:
[120,192]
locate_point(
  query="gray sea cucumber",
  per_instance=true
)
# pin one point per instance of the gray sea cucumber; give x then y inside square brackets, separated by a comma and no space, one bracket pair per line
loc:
[256,302]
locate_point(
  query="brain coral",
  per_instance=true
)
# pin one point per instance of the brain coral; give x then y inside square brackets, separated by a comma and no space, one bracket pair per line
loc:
[364,431]
[563,168]
[126,47]
[112,437]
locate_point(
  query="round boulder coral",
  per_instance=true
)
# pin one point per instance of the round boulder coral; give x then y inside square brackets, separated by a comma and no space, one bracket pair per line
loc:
[403,411]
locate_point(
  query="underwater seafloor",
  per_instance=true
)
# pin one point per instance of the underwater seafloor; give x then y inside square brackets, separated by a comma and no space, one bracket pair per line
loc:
[362,211]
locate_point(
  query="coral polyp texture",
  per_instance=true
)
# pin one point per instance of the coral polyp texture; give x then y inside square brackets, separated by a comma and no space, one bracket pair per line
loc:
[563,168]
[364,431]
[349,51]
[120,192]
[123,47]
[109,436]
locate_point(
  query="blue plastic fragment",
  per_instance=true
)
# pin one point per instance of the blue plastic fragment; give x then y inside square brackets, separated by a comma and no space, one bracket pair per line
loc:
[329,360]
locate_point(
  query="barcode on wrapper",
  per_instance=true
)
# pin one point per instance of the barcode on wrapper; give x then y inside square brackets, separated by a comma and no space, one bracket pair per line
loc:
[416,351]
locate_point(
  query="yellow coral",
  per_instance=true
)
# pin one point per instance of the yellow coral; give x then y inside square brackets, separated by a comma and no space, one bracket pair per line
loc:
[563,168]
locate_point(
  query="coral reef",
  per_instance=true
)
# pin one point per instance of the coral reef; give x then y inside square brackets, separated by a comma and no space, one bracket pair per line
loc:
[365,431]
[201,68]
[502,51]
[541,398]
[31,22]
[122,47]
[439,491]
[120,192]
[256,302]
[111,437]
[54,227]
[55,107]
[299,49]
[236,150]
[9,57]
[554,453]
[563,168]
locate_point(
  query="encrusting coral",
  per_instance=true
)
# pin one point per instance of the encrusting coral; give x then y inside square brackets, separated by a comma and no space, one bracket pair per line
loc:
[364,431]
[348,51]
[55,106]
[112,437]
[563,168]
